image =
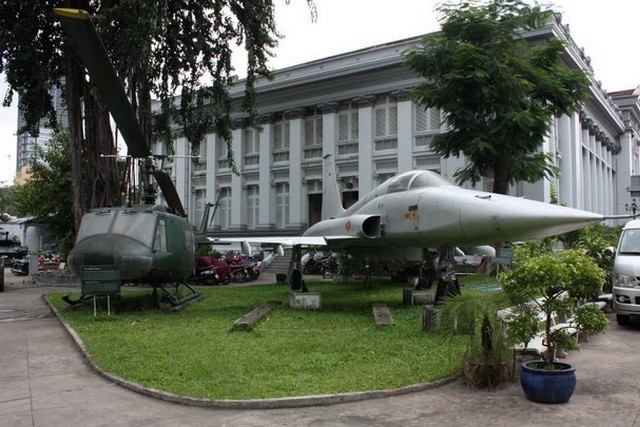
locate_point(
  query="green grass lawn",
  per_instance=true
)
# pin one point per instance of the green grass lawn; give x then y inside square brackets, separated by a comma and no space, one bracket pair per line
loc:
[194,352]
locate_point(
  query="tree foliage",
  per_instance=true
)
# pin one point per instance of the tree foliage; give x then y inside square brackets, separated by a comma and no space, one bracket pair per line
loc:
[6,199]
[499,92]
[47,196]
[159,49]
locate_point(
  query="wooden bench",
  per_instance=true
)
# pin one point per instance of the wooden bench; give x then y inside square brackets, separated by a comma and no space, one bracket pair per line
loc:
[381,314]
[247,321]
[536,347]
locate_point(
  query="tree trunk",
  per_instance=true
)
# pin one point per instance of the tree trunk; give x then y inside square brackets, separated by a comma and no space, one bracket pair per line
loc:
[500,175]
[95,178]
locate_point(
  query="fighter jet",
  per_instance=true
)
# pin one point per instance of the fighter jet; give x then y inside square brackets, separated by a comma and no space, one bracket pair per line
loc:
[418,210]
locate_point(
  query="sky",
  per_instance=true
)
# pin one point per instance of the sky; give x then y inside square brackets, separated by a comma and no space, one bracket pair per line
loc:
[607,33]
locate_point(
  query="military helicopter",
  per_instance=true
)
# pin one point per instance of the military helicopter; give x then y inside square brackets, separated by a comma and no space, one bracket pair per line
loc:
[149,244]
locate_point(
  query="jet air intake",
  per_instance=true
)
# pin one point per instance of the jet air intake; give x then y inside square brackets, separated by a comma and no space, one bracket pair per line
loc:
[355,226]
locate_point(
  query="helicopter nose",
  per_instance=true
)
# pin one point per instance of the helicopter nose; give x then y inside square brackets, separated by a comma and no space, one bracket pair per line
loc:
[133,258]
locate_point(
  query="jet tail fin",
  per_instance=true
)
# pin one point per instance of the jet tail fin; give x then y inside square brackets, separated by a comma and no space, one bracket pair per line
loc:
[331,197]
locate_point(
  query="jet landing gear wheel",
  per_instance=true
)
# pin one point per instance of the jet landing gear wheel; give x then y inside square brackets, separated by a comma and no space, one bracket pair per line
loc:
[448,284]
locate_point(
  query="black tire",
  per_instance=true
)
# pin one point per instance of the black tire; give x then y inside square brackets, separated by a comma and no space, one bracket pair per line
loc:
[622,319]
[326,273]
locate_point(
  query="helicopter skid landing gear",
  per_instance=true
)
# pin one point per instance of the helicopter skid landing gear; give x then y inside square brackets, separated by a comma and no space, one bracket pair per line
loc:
[175,302]
[75,303]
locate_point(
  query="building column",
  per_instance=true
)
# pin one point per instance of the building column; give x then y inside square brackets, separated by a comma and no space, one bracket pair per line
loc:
[237,196]
[624,171]
[405,130]
[182,165]
[365,106]
[297,202]
[565,184]
[575,154]
[329,127]
[265,221]
[211,195]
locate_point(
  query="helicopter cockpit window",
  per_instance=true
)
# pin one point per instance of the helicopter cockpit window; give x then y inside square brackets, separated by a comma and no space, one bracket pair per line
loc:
[160,241]
[94,223]
[136,225]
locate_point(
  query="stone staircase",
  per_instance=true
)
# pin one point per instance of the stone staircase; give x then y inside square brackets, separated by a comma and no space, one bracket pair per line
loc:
[280,264]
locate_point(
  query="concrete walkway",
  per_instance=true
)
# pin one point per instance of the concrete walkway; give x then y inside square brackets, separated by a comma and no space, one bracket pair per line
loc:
[45,381]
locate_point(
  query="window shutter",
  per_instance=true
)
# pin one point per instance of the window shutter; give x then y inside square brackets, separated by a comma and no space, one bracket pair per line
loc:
[421,119]
[434,114]
[381,126]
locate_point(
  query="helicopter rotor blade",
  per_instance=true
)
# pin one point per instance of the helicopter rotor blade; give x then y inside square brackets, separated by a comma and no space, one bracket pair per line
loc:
[169,191]
[80,29]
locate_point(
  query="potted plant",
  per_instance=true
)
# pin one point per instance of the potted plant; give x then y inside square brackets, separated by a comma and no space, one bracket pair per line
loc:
[474,316]
[557,286]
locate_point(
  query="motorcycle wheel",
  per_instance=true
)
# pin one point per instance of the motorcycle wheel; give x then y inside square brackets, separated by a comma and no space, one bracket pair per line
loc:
[326,273]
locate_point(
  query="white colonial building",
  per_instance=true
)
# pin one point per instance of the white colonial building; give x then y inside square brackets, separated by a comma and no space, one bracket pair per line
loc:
[356,106]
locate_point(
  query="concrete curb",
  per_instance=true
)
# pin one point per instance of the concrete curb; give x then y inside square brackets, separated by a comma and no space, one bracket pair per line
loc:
[276,403]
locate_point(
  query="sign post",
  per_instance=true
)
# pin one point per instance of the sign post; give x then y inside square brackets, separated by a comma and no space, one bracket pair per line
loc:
[100,280]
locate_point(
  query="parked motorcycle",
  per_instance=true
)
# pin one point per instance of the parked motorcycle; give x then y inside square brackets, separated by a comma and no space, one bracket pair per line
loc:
[314,264]
[211,271]
[330,266]
[20,267]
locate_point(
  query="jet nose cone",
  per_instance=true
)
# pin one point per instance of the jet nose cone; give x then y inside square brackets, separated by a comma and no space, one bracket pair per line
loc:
[512,218]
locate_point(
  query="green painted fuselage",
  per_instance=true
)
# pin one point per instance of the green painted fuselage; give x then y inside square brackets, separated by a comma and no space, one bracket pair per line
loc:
[147,243]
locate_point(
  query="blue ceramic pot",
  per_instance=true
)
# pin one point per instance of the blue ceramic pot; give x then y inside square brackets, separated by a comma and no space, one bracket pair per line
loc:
[546,385]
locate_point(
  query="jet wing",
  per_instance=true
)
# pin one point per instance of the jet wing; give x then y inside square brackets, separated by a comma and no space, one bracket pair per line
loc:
[284,241]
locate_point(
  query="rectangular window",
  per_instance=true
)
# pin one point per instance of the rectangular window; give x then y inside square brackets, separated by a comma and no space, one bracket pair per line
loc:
[386,116]
[222,150]
[281,137]
[251,141]
[313,136]
[426,124]
[200,163]
[282,204]
[348,130]
[386,125]
[253,206]
[251,147]
[348,124]
[313,131]
[200,200]
[224,208]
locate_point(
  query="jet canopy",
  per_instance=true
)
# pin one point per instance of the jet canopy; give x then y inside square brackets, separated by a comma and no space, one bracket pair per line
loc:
[413,180]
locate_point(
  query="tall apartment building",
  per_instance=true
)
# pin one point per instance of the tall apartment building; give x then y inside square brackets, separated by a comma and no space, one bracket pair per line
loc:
[357,107]
[26,142]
